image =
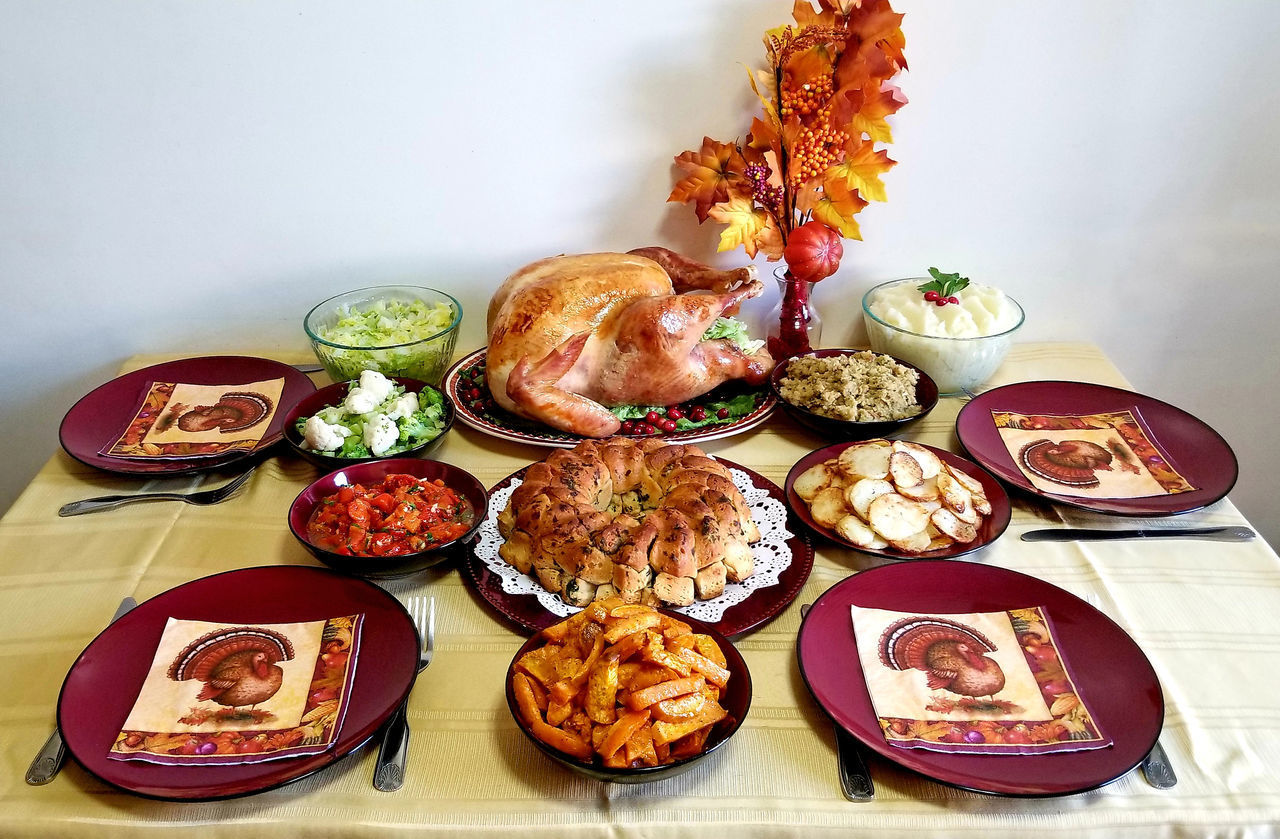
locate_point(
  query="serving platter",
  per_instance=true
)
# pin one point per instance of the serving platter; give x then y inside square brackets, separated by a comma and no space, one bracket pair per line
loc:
[1194,449]
[991,528]
[104,681]
[785,551]
[1112,673]
[100,416]
[468,373]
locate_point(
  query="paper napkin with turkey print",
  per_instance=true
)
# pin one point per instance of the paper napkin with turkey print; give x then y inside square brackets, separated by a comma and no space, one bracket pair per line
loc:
[1111,455]
[979,682]
[242,693]
[178,420]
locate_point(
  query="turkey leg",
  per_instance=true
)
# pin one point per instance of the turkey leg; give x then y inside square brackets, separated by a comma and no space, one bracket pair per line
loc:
[687,274]
[534,390]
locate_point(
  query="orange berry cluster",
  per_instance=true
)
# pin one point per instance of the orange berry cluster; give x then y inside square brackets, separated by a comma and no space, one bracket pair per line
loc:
[806,98]
[819,145]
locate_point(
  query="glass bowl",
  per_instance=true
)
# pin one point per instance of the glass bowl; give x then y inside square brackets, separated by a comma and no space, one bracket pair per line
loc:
[421,356]
[957,365]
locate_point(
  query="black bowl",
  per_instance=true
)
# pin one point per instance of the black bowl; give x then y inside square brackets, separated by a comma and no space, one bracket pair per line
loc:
[838,429]
[371,472]
[736,699]
[333,395]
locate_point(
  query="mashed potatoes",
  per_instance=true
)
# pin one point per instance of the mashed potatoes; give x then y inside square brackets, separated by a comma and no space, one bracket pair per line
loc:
[983,310]
[862,387]
[960,346]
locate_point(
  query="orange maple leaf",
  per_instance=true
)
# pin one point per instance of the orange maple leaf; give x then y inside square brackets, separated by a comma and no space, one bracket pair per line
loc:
[874,47]
[835,206]
[828,13]
[861,170]
[878,105]
[709,171]
[748,225]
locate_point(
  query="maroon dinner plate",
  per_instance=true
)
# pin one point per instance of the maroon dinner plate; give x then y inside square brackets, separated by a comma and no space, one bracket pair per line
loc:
[101,416]
[1193,448]
[992,526]
[104,682]
[761,606]
[1114,676]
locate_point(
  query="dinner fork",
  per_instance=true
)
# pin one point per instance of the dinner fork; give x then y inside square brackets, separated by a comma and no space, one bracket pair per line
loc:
[388,774]
[205,496]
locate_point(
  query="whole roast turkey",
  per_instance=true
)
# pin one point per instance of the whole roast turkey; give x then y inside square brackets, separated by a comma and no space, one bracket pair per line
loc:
[573,334]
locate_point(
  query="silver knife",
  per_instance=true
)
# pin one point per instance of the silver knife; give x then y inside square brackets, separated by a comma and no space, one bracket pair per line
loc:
[1082,534]
[54,752]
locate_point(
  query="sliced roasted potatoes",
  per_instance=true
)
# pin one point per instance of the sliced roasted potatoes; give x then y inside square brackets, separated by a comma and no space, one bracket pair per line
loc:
[894,494]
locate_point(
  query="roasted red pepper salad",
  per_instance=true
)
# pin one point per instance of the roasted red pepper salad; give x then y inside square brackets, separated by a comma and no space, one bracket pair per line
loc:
[400,515]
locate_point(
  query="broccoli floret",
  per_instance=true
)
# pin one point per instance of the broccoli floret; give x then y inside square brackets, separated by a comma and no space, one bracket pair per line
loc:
[418,427]
[353,446]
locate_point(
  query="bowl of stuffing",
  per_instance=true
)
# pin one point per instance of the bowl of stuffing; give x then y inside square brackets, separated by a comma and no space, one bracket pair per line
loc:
[640,722]
[397,330]
[389,518]
[850,394]
[369,418]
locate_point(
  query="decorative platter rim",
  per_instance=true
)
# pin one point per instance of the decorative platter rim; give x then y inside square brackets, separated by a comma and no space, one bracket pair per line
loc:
[550,438]
[761,606]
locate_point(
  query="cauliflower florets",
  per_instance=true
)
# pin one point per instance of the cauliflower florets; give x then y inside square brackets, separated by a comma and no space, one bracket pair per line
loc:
[380,434]
[322,437]
[405,406]
[371,392]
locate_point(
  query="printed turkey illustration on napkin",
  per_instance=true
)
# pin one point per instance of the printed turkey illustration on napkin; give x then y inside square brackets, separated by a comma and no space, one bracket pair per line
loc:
[219,693]
[1111,455]
[177,420]
[984,682]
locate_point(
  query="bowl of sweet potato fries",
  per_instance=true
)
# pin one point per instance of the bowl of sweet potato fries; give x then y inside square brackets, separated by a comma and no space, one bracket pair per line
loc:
[628,693]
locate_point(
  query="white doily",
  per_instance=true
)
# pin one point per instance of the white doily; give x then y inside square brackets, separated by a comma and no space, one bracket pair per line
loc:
[772,555]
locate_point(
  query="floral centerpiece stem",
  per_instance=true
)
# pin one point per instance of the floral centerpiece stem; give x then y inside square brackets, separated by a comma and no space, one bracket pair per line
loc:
[809,163]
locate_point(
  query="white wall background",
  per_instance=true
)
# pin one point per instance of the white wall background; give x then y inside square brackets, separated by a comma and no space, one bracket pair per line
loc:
[192,175]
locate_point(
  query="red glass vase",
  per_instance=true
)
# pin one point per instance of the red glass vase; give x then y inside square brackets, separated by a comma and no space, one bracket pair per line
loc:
[794,325]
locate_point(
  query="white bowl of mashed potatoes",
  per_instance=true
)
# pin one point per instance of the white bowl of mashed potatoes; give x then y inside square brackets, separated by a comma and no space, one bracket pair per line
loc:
[960,345]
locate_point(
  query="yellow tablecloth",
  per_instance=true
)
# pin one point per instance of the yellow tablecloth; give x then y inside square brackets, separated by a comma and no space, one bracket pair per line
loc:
[1205,613]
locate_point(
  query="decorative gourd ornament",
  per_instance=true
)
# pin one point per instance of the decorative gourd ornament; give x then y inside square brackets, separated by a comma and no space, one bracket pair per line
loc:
[813,252]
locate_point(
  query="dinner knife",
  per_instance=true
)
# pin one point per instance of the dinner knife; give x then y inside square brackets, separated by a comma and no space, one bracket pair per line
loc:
[1084,534]
[53,753]
[1157,769]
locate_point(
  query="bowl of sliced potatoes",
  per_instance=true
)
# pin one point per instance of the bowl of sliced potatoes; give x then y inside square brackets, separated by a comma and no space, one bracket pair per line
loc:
[898,499]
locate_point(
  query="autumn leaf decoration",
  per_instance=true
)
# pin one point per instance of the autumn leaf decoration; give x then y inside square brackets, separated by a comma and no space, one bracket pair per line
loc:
[811,155]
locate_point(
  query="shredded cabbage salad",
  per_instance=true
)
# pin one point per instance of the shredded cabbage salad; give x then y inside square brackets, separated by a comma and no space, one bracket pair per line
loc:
[398,324]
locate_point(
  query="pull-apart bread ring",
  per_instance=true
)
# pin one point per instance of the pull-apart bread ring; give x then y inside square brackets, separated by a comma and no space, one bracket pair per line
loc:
[639,519]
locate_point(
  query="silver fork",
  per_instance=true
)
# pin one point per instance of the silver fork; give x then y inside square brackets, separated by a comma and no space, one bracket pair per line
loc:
[205,496]
[388,773]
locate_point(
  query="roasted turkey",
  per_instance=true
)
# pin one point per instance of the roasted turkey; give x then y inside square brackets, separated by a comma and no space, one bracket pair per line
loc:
[237,665]
[950,653]
[571,335]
